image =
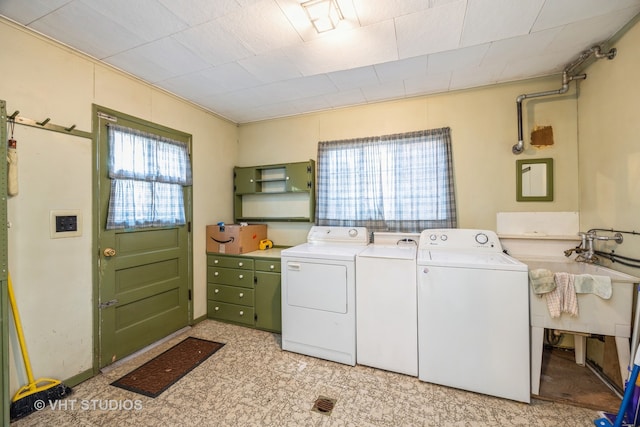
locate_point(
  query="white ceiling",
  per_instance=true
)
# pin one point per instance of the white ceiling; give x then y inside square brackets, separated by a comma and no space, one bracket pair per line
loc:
[249,60]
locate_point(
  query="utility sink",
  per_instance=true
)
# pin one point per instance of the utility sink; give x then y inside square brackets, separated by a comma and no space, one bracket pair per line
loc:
[596,315]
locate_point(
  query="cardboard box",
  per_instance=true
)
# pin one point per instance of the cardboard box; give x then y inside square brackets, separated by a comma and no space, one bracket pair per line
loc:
[235,238]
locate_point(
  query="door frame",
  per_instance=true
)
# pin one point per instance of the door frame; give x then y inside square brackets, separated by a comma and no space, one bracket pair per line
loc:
[4,298]
[96,109]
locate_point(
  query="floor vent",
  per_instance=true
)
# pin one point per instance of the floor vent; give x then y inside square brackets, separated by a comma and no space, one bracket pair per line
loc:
[324,405]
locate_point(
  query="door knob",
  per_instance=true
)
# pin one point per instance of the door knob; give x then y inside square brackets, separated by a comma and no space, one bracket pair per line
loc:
[108,252]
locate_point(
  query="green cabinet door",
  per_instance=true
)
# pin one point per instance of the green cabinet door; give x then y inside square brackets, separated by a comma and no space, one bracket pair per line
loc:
[245,180]
[268,301]
[300,176]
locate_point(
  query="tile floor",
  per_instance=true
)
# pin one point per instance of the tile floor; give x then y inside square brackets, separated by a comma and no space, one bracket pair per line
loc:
[252,382]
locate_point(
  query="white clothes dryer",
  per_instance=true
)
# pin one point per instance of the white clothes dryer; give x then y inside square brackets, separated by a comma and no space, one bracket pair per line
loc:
[386,303]
[473,314]
[318,293]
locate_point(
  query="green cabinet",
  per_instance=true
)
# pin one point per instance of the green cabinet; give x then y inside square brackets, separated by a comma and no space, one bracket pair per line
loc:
[281,192]
[244,290]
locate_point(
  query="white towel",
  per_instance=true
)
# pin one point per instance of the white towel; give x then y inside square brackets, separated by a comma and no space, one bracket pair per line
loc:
[563,298]
[599,285]
[541,281]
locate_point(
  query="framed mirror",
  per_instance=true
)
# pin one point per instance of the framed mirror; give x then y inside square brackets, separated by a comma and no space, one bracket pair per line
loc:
[534,180]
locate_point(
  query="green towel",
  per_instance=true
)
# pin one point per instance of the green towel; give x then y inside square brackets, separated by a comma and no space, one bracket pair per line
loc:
[541,281]
[598,285]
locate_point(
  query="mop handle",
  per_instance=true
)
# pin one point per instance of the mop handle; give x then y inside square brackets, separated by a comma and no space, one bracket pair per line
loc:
[16,318]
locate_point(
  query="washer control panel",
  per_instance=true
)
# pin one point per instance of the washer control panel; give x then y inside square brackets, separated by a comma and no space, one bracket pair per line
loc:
[460,238]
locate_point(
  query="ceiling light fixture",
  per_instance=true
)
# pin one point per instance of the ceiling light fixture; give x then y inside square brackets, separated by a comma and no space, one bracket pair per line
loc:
[323,14]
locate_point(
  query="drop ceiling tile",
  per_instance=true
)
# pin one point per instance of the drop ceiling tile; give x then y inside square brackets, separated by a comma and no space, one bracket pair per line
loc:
[83,28]
[354,78]
[490,20]
[455,59]
[402,69]
[433,83]
[261,27]
[271,67]
[431,30]
[148,19]
[195,12]
[390,90]
[26,12]
[557,13]
[374,11]
[476,77]
[213,43]
[304,87]
[345,50]
[159,60]
[345,98]
[522,47]
[584,34]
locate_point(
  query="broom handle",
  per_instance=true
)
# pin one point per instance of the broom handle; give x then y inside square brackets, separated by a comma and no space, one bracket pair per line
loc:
[16,318]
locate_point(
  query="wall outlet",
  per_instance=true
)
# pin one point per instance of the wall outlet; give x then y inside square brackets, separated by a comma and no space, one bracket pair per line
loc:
[66,223]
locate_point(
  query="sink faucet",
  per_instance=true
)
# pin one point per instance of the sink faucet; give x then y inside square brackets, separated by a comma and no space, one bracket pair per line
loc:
[586,251]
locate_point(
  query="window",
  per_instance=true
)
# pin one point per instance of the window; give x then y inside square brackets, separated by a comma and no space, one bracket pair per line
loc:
[147,174]
[389,183]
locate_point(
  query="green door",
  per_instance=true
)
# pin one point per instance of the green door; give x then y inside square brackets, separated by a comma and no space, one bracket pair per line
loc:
[144,276]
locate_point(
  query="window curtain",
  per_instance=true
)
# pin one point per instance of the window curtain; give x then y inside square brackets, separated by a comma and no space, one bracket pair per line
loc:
[147,174]
[401,182]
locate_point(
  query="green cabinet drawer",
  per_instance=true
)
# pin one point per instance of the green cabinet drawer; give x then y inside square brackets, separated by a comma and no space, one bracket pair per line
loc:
[230,312]
[231,294]
[268,265]
[214,260]
[230,276]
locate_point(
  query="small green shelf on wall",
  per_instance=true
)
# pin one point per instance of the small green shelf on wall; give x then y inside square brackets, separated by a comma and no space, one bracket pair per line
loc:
[283,192]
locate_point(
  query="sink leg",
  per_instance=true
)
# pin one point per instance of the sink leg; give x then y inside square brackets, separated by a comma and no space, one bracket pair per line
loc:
[579,344]
[537,341]
[624,357]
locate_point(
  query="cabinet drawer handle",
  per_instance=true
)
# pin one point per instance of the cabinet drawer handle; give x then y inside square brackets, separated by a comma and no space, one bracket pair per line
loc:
[241,313]
[240,276]
[272,267]
[217,308]
[216,273]
[240,264]
[215,261]
[240,294]
[216,291]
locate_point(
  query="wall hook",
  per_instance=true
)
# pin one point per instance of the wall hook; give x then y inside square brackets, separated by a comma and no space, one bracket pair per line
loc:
[70,128]
[14,115]
[44,122]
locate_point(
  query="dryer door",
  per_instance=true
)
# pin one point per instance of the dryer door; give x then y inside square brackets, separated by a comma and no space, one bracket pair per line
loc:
[316,285]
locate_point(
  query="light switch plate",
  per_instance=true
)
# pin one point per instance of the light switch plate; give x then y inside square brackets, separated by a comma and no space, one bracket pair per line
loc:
[64,219]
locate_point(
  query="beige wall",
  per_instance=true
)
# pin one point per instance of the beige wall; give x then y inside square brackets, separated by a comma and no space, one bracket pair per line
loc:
[53,277]
[483,126]
[609,148]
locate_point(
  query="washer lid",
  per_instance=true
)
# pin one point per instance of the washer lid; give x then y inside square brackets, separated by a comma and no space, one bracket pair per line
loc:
[389,251]
[488,260]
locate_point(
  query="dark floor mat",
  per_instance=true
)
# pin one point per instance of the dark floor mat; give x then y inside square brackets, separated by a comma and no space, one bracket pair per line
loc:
[564,381]
[164,370]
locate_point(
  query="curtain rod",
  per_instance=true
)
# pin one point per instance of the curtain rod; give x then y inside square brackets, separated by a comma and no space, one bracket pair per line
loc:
[71,130]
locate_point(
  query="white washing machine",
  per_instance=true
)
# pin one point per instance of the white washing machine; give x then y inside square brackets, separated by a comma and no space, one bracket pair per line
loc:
[319,293]
[386,303]
[473,314]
